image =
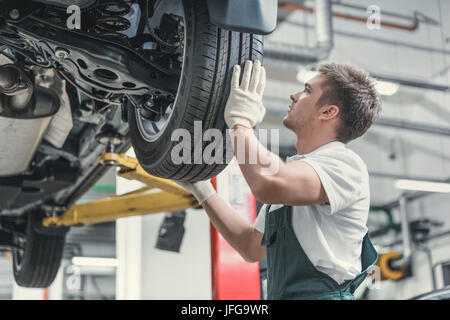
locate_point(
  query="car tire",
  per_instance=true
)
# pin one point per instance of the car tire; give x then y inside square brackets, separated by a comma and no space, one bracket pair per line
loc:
[37,264]
[210,54]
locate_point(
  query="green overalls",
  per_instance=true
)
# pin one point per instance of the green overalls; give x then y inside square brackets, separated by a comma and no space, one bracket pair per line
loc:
[291,275]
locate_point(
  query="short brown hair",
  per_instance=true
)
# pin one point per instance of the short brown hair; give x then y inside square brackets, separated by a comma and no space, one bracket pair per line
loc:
[353,92]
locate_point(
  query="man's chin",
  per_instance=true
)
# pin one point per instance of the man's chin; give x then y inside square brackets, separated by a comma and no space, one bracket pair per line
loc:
[286,122]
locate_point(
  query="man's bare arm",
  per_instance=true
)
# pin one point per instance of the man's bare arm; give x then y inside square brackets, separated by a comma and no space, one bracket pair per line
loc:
[270,179]
[239,233]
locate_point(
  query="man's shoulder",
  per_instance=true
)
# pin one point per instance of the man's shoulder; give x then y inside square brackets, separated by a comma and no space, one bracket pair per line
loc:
[355,157]
[343,164]
[343,154]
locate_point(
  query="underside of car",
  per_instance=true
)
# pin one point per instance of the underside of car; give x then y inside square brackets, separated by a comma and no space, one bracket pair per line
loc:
[100,77]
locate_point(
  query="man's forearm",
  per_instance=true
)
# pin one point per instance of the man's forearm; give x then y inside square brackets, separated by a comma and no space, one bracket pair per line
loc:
[256,162]
[236,231]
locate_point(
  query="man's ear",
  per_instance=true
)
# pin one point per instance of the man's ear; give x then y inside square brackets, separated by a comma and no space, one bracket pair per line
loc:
[329,112]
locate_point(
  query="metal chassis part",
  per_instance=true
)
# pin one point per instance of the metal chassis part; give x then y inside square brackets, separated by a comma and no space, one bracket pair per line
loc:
[99,54]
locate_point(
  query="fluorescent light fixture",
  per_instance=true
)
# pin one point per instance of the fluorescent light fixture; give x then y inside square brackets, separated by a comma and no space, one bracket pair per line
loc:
[95,262]
[420,185]
[304,75]
[386,88]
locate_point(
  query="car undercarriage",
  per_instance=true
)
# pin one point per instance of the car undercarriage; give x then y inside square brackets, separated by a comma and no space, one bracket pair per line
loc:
[81,78]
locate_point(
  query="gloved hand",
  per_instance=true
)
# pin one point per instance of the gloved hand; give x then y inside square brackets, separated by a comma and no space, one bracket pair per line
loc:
[244,105]
[202,190]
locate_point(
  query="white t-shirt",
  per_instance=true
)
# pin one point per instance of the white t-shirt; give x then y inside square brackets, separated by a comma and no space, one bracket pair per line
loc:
[331,234]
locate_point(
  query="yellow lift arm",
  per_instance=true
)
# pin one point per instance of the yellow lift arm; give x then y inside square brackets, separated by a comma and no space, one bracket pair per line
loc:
[171,197]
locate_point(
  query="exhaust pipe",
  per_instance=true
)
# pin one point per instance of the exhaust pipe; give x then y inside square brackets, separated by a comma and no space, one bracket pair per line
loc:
[25,113]
[17,86]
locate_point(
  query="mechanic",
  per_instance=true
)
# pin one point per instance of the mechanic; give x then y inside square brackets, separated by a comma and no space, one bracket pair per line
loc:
[312,226]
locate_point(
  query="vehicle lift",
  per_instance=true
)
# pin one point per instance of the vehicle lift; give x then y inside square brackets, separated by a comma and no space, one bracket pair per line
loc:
[229,272]
[146,200]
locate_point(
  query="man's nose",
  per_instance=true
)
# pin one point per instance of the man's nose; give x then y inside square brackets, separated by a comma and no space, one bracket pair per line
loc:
[292,96]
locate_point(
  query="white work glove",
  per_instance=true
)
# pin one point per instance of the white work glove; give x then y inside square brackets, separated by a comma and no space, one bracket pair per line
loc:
[202,190]
[244,105]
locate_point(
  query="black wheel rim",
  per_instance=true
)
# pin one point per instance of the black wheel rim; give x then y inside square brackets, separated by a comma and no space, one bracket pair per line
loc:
[152,130]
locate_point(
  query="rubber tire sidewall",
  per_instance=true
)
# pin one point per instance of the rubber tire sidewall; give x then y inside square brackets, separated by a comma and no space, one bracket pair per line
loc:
[41,258]
[155,157]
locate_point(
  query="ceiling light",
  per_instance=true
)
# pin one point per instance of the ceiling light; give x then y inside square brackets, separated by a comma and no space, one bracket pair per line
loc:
[386,88]
[420,185]
[95,262]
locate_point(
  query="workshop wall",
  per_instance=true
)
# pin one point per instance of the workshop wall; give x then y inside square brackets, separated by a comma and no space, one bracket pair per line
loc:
[435,207]
[177,275]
